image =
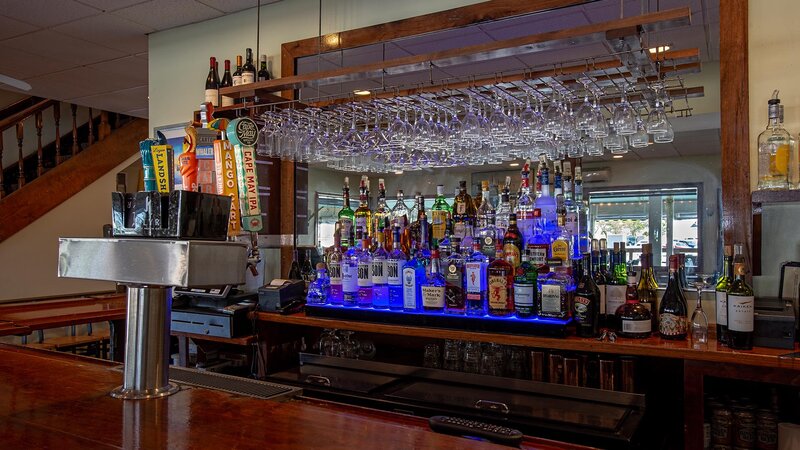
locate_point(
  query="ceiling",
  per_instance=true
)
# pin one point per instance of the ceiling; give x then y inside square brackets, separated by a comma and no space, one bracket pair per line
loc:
[94,52]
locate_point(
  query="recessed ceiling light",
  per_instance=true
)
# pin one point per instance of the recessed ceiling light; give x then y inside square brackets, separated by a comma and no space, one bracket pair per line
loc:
[617,156]
[659,49]
[361,92]
[514,164]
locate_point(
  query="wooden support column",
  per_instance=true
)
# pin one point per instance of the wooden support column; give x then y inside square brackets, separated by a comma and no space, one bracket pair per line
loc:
[287,214]
[735,125]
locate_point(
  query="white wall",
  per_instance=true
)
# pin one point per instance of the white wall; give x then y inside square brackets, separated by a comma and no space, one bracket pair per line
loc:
[29,259]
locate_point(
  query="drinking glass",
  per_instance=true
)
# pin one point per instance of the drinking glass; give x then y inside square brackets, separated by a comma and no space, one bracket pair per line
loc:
[350,346]
[640,139]
[624,118]
[699,321]
[329,343]
[472,357]
[432,357]
[452,355]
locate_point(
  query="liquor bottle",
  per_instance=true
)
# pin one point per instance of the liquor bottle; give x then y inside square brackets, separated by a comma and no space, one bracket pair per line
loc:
[364,276]
[561,248]
[647,288]
[446,244]
[382,213]
[227,81]
[525,277]
[512,242]
[464,214]
[525,205]
[335,258]
[621,268]
[503,211]
[422,216]
[263,73]
[212,83]
[584,243]
[485,208]
[601,276]
[634,318]
[586,308]
[350,274]
[546,203]
[673,309]
[615,288]
[306,271]
[319,290]
[500,274]
[723,284]
[406,243]
[556,290]
[539,245]
[380,280]
[423,248]
[346,215]
[248,70]
[395,263]
[237,75]
[476,284]
[487,234]
[440,212]
[433,289]
[414,275]
[400,213]
[455,300]
[571,211]
[294,270]
[363,216]
[740,305]
[773,150]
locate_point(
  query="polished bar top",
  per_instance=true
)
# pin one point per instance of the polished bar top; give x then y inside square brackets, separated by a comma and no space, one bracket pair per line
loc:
[52,400]
[59,312]
[653,346]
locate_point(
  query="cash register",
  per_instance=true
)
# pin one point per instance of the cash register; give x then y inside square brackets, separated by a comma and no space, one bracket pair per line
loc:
[219,312]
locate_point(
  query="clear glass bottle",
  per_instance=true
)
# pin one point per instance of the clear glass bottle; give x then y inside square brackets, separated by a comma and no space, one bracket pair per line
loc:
[539,246]
[525,277]
[335,273]
[502,213]
[380,280]
[454,276]
[422,216]
[464,213]
[546,203]
[400,213]
[364,280]
[485,209]
[433,289]
[475,282]
[561,248]
[395,263]
[363,215]
[319,290]
[634,318]
[672,312]
[440,213]
[584,242]
[556,290]
[525,205]
[347,216]
[382,211]
[349,267]
[413,277]
[773,150]
[423,248]
[721,293]
[741,304]
[501,286]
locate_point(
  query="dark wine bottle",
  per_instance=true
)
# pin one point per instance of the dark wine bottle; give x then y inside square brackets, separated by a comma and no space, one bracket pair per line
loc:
[673,308]
[263,72]
[237,75]
[248,70]
[227,81]
[634,318]
[741,304]
[212,83]
[587,302]
[723,284]
[294,270]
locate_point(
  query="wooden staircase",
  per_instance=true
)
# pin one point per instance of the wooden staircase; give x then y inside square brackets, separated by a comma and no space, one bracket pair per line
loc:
[50,174]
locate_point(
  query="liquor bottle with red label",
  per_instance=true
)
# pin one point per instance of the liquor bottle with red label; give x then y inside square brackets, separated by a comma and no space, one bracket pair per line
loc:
[500,300]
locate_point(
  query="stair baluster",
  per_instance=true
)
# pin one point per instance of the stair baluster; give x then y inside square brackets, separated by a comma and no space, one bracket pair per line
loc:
[39,163]
[57,119]
[20,137]
[91,127]
[75,147]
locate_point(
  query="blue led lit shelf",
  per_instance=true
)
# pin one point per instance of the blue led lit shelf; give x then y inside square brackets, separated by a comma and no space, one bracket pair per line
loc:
[534,326]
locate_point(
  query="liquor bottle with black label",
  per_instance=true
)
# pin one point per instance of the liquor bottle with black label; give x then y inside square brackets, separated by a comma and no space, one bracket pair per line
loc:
[587,302]
[454,276]
[723,284]
[672,321]
[741,305]
[263,72]
[346,215]
[212,83]
[237,75]
[248,70]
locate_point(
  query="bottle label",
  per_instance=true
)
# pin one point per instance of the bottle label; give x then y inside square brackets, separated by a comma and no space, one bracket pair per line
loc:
[538,254]
[394,269]
[740,313]
[361,222]
[227,101]
[498,292]
[335,273]
[237,80]
[581,307]
[488,246]
[409,288]
[560,250]
[615,297]
[722,308]
[671,325]
[439,225]
[454,275]
[551,298]
[212,96]
[433,296]
[474,272]
[571,223]
[636,326]
[248,77]
[364,278]
[346,229]
[523,295]
[349,278]
[512,254]
[461,207]
[378,271]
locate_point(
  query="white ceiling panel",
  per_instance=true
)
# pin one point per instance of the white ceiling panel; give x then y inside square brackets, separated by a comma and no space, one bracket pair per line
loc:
[109,31]
[165,14]
[23,64]
[78,82]
[50,44]
[47,13]
[111,5]
[133,98]
[229,6]
[133,68]
[10,27]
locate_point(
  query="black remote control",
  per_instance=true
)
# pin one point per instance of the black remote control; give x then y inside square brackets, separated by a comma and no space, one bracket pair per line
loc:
[465,427]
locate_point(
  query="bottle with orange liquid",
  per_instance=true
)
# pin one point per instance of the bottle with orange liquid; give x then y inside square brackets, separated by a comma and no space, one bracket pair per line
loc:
[774,146]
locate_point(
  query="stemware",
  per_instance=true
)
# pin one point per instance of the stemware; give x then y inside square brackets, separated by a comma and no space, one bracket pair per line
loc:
[624,118]
[699,322]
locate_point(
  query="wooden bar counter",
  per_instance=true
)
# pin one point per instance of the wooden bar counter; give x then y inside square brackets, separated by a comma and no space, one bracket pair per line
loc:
[50,400]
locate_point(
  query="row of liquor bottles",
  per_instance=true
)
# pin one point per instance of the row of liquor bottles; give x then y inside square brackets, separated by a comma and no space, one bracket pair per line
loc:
[561,215]
[245,73]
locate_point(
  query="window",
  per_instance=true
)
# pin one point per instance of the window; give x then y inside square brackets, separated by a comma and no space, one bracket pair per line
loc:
[664,216]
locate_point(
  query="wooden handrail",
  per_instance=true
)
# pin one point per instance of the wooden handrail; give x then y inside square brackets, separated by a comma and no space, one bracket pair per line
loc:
[12,120]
